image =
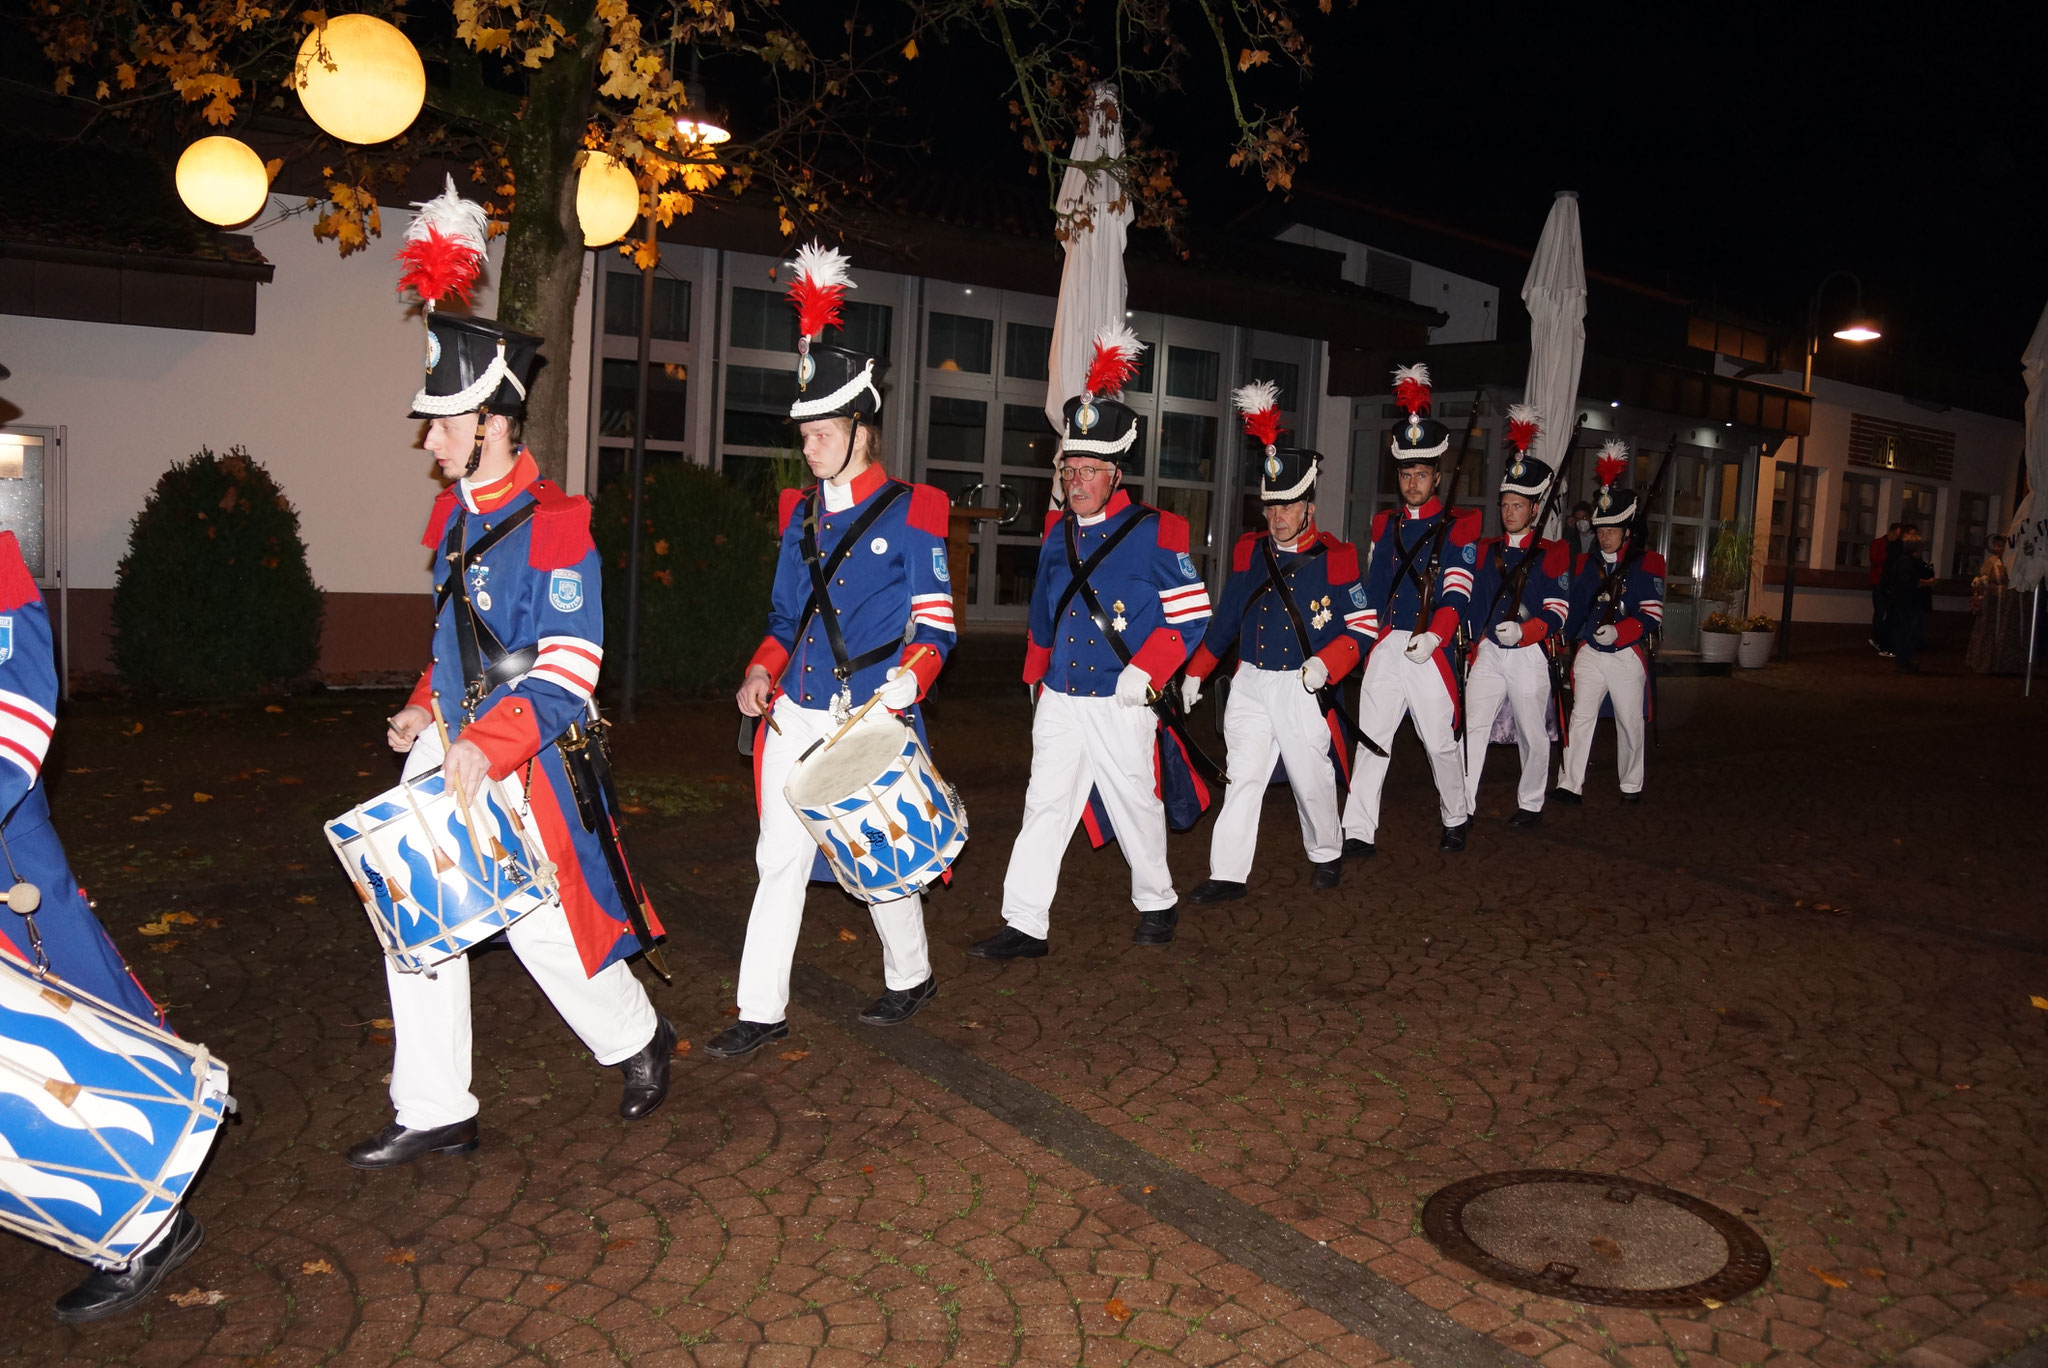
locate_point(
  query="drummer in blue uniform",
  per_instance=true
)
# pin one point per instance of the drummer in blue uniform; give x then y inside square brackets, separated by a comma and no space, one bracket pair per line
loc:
[1409,671]
[1617,607]
[53,927]
[518,641]
[862,608]
[1294,611]
[1520,592]
[1115,612]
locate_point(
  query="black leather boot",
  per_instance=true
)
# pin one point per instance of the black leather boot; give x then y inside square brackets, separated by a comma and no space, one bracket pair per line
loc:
[1156,928]
[395,1145]
[1327,875]
[647,1073]
[1453,839]
[1355,849]
[1216,890]
[110,1291]
[899,1005]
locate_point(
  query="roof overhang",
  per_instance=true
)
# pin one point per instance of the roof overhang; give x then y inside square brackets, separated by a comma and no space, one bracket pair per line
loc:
[147,290]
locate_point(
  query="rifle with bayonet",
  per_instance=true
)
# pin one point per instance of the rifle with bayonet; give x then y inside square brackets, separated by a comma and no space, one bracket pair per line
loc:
[1425,598]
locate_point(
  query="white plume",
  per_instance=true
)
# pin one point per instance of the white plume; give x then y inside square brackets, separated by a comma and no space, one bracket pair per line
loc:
[1256,397]
[1418,372]
[1525,413]
[1122,340]
[824,266]
[452,216]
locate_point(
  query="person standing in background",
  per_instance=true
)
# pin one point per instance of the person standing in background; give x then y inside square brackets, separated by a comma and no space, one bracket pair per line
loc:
[1880,611]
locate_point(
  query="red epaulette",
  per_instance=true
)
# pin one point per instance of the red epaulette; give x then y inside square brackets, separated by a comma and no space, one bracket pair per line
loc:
[1556,556]
[1342,559]
[1466,526]
[930,510]
[561,528]
[1052,520]
[1173,532]
[1379,524]
[1241,554]
[17,585]
[1654,563]
[437,521]
[786,506]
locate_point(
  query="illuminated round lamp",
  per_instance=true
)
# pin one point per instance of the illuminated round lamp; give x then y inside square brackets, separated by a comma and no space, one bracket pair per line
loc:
[222,180]
[376,86]
[607,199]
[1860,329]
[702,125]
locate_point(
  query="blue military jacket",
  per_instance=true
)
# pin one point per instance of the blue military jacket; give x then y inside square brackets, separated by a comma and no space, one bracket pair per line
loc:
[1148,586]
[1390,605]
[1641,610]
[1546,589]
[1325,590]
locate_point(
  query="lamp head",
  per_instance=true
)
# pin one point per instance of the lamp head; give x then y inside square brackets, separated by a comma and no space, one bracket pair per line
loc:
[1861,328]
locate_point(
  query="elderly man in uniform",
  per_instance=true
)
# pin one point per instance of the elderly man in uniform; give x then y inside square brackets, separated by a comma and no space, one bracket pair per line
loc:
[1114,612]
[1294,610]
[1520,592]
[1409,672]
[518,639]
[1617,604]
[861,608]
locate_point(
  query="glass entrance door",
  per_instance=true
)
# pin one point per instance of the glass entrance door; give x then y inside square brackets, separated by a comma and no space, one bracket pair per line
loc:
[1702,490]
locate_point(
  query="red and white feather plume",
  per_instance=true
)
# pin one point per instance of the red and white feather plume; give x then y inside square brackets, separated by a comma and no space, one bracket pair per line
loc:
[1114,363]
[1411,389]
[1613,462]
[823,276]
[444,248]
[1525,422]
[1259,402]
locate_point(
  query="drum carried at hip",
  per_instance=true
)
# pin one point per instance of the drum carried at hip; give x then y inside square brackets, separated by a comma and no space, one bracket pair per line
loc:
[435,876]
[872,799]
[104,1118]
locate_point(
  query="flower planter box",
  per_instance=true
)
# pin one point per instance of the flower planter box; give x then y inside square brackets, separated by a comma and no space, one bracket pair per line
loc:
[1754,649]
[1718,648]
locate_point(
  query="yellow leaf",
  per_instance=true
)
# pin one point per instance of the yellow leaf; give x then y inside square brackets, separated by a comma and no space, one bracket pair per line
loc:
[154,928]
[305,899]
[381,1023]
[1830,1279]
[197,1298]
[124,76]
[135,730]
[202,797]
[1250,58]
[2039,1001]
[1708,1302]
[220,110]
[316,1266]
[103,91]
[272,708]
[794,1055]
[180,919]
[848,936]
[646,255]
[910,51]
[401,1256]
[1116,1308]
[272,167]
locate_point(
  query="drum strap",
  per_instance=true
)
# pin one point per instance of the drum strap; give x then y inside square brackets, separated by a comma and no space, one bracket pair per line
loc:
[822,569]
[485,662]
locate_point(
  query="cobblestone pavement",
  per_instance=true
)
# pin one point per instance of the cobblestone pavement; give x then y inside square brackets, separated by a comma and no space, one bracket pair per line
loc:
[1795,982]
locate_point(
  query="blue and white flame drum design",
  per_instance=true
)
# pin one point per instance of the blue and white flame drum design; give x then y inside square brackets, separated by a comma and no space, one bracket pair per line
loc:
[887,822]
[104,1118]
[433,888]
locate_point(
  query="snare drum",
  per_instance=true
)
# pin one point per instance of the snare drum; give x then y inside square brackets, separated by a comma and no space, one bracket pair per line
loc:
[887,822]
[432,886]
[103,1118]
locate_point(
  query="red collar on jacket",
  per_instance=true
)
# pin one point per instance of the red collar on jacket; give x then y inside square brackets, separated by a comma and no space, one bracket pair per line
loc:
[1428,510]
[1118,502]
[498,493]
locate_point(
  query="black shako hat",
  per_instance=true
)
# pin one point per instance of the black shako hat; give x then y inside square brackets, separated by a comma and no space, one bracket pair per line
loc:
[1288,475]
[833,382]
[1098,427]
[474,363]
[1420,439]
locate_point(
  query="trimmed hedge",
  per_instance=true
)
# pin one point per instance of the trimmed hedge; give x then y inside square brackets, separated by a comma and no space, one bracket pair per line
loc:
[214,598]
[707,563]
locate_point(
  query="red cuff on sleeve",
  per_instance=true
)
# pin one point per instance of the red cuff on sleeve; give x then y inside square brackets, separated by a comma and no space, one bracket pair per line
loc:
[1161,655]
[1037,660]
[509,734]
[1340,657]
[926,667]
[1628,632]
[423,692]
[772,656]
[1444,622]
[1203,665]
[1534,630]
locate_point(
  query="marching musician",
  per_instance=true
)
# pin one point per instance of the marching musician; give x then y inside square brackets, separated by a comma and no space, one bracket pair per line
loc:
[54,926]
[1617,607]
[1410,671]
[862,609]
[1294,610]
[1520,591]
[518,639]
[1115,608]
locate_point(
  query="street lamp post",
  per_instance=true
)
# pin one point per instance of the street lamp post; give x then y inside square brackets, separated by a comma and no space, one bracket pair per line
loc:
[1859,328]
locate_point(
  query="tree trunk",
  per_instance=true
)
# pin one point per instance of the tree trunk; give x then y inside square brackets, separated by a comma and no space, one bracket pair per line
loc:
[543,264]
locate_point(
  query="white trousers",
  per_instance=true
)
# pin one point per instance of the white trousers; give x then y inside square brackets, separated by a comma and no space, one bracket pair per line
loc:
[1597,675]
[1272,719]
[430,1071]
[784,857]
[1078,744]
[1522,676]
[1397,687]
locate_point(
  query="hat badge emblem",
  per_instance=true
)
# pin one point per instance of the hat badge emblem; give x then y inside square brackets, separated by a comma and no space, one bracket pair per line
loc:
[1606,500]
[1414,429]
[1519,471]
[433,349]
[806,368]
[1272,464]
[1086,416]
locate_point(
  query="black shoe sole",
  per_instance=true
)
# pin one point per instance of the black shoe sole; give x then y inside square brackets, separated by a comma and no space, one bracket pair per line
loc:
[459,1147]
[1140,938]
[183,1250]
[1227,895]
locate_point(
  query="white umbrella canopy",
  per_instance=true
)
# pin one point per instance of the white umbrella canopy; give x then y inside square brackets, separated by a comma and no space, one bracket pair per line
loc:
[1555,294]
[2028,547]
[1094,214]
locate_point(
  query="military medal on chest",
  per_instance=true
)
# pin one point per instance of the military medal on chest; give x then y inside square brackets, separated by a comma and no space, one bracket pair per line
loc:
[1321,616]
[479,576]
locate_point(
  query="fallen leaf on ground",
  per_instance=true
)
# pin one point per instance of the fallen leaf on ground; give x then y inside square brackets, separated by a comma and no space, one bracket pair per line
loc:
[1830,1279]
[1871,1272]
[155,928]
[1149,1188]
[971,1025]
[867,1168]
[401,1256]
[1116,1308]
[82,769]
[197,1298]
[136,730]
[180,919]
[379,1038]
[305,899]
[614,1245]
[682,1047]
[2031,1289]
[2039,1001]
[289,779]
[316,1266]
[812,1112]
[732,1011]
[212,923]
[553,1287]
[294,866]
[202,797]
[848,936]
[1770,1101]
[1604,1247]
[272,708]
[794,1055]
[1711,1304]
[1962,1087]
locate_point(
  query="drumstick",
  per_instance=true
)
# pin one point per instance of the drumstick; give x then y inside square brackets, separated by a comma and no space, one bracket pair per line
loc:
[461,798]
[875,697]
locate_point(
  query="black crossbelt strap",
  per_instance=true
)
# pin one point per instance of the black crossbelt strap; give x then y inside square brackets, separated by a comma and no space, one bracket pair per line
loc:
[1327,698]
[1512,582]
[1406,564]
[844,667]
[1082,569]
[485,662]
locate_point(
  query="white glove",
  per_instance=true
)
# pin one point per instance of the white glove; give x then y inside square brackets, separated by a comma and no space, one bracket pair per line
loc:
[1422,645]
[1507,633]
[1132,686]
[1315,674]
[900,691]
[1606,634]
[1190,692]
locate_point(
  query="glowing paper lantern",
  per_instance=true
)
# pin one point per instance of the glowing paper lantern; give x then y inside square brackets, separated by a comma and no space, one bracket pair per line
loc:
[222,180]
[376,86]
[607,200]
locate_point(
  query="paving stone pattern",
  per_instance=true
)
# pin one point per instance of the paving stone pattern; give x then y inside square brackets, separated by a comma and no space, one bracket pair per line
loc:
[1794,982]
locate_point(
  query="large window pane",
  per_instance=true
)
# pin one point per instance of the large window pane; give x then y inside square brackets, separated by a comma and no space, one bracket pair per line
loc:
[866,329]
[1016,572]
[671,307]
[1784,516]
[763,320]
[1024,500]
[1857,527]
[957,431]
[1141,381]
[21,494]
[1192,504]
[1192,374]
[757,407]
[1025,351]
[955,342]
[667,396]
[1028,440]
[1187,446]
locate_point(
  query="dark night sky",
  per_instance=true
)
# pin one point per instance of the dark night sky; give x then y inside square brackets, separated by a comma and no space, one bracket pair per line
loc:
[1735,151]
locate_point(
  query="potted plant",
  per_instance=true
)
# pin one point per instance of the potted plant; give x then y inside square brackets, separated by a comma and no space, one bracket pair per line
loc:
[1758,634]
[1731,561]
[1720,635]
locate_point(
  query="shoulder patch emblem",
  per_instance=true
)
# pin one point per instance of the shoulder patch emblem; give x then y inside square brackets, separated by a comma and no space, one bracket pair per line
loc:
[1658,580]
[6,639]
[939,568]
[565,591]
[1187,566]
[1471,553]
[1358,596]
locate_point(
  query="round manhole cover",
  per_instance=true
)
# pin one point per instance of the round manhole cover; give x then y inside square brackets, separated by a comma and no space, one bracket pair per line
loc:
[1592,1237]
